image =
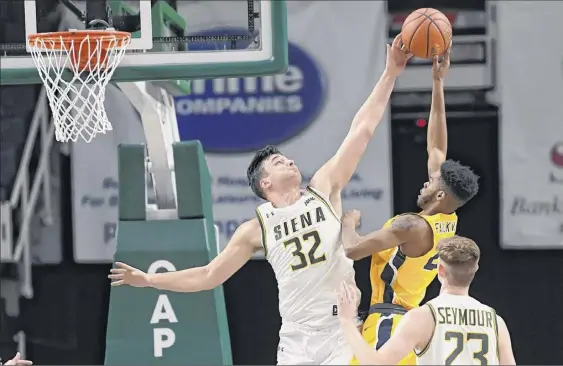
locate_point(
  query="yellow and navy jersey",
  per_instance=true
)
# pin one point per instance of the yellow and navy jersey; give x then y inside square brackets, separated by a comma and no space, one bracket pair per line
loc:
[401,280]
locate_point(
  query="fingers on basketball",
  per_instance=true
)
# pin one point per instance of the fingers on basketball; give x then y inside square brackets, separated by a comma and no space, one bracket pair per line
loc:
[400,45]
[397,42]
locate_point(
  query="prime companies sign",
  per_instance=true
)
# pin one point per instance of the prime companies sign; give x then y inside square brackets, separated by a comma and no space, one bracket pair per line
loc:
[307,111]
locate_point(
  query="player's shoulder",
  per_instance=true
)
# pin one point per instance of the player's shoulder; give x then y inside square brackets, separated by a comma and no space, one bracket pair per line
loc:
[408,222]
[414,232]
[320,186]
[423,311]
[250,231]
[250,227]
[420,318]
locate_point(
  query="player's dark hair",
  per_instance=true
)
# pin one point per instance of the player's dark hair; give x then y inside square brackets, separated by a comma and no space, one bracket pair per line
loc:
[459,180]
[254,171]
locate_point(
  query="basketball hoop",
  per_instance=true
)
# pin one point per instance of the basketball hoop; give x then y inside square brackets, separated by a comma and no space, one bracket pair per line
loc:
[76,66]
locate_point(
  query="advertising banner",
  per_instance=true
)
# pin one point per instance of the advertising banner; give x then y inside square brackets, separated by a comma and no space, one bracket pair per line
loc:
[336,55]
[530,75]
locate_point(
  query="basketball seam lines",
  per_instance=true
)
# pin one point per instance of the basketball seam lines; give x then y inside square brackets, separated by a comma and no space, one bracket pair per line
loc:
[414,32]
[412,20]
[428,36]
[440,31]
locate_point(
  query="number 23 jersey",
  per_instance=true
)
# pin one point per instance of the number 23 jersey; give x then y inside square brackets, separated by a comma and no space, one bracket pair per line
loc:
[465,333]
[302,244]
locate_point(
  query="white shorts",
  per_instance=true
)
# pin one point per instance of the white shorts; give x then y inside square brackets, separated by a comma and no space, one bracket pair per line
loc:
[307,346]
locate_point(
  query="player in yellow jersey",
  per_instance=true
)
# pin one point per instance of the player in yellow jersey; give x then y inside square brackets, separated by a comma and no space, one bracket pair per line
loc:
[403,252]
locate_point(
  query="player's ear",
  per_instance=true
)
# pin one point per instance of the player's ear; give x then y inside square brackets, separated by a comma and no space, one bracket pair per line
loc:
[441,269]
[440,195]
[265,183]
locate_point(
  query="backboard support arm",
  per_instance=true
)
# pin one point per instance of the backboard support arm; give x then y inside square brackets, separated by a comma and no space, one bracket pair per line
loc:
[156,108]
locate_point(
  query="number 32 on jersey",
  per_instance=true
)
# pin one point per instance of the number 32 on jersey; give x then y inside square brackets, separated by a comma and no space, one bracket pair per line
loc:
[304,249]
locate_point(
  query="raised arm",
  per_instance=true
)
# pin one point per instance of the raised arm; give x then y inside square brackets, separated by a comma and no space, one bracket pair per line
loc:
[244,242]
[410,231]
[437,144]
[506,354]
[337,172]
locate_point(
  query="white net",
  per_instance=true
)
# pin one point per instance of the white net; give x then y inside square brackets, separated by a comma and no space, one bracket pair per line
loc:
[76,67]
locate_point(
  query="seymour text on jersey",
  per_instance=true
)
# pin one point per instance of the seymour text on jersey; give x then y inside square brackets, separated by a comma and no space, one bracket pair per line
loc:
[457,316]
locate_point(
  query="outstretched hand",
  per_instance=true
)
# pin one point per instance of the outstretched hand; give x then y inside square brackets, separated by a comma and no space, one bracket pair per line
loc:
[441,64]
[397,57]
[17,361]
[127,275]
[347,301]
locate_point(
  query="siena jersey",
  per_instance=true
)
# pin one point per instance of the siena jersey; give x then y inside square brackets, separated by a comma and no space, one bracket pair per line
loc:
[302,244]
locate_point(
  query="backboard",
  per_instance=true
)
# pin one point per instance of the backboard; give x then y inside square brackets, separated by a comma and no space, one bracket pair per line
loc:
[172,39]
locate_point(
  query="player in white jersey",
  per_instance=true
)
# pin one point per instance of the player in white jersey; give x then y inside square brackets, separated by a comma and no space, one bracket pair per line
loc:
[452,329]
[300,231]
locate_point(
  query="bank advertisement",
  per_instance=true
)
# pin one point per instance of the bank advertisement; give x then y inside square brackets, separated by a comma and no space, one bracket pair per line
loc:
[531,80]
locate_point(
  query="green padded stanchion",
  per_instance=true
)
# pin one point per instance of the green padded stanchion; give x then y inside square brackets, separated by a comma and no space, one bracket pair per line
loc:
[152,327]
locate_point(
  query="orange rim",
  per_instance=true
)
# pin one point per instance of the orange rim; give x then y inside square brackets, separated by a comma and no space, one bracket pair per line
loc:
[85,58]
[70,37]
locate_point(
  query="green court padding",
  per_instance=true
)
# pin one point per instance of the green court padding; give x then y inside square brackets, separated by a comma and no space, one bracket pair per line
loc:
[152,327]
[192,176]
[131,172]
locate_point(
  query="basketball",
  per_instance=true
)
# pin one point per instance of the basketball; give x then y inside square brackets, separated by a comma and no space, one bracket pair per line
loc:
[426,33]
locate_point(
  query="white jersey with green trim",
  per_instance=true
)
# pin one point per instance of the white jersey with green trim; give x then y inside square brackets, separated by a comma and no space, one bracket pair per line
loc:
[465,333]
[302,244]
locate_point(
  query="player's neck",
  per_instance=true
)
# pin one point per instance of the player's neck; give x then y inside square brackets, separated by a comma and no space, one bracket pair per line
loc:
[284,199]
[454,290]
[437,208]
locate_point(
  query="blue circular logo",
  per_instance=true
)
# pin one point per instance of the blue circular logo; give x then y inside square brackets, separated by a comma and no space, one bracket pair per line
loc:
[243,114]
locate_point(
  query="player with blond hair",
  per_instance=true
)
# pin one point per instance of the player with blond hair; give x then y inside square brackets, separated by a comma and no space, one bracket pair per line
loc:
[452,329]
